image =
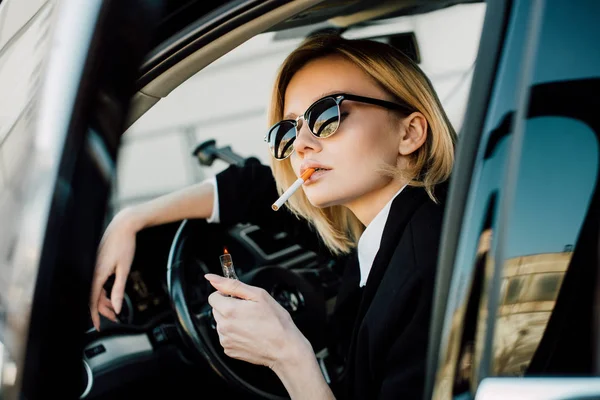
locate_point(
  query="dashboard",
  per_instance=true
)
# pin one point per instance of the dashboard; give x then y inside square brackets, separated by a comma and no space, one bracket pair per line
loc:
[146,298]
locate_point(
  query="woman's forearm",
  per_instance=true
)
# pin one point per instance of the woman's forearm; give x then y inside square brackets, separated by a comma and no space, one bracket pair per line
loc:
[302,377]
[195,201]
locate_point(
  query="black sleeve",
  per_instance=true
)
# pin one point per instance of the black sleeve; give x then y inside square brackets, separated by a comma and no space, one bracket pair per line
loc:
[405,365]
[246,195]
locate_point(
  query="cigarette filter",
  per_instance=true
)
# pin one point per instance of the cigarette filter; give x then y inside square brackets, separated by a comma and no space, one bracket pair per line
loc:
[292,189]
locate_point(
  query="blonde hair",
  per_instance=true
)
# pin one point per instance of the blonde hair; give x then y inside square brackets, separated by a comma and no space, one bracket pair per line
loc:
[400,77]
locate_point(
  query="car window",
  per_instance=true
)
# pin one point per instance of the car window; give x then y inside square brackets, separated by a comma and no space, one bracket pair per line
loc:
[16,15]
[20,62]
[2,15]
[473,259]
[24,50]
[546,237]
[525,267]
[527,227]
[227,100]
[556,180]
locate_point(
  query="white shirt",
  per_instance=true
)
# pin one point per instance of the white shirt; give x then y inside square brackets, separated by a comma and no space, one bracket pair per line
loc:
[368,244]
[370,240]
[215,216]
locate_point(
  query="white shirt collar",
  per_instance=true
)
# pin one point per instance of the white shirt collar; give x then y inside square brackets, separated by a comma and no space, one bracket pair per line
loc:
[370,240]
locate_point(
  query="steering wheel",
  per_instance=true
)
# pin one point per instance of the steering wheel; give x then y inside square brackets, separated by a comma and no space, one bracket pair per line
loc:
[301,299]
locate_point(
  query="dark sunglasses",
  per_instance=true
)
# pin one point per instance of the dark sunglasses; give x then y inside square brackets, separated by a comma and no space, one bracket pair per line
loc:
[323,118]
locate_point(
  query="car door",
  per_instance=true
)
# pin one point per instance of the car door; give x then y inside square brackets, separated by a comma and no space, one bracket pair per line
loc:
[517,284]
[66,73]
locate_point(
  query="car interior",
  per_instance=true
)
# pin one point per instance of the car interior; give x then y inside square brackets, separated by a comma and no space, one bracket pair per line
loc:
[517,286]
[166,293]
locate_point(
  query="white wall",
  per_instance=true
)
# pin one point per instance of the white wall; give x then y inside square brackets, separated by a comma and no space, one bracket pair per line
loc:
[227,101]
[22,28]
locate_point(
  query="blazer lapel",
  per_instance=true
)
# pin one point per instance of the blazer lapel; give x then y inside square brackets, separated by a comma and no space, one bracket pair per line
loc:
[347,301]
[349,283]
[401,211]
[403,207]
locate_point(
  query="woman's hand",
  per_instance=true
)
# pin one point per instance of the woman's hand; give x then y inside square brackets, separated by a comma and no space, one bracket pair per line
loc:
[253,327]
[115,255]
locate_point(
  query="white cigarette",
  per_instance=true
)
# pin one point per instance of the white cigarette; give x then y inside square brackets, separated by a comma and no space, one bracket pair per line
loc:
[292,189]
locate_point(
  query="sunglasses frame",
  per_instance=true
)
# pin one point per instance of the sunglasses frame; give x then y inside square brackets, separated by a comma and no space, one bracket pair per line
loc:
[338,98]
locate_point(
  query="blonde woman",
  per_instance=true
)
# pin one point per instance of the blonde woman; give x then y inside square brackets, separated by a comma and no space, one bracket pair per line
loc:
[368,119]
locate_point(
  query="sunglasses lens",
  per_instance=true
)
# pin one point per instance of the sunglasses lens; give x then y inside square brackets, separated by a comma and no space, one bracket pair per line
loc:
[280,139]
[324,118]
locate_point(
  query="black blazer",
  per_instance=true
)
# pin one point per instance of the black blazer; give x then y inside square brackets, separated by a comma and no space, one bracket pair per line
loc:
[381,330]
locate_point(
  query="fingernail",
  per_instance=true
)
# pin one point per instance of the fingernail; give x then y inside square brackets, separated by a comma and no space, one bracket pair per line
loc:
[117,307]
[212,277]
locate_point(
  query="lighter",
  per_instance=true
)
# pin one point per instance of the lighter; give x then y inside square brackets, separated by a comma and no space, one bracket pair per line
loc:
[227,265]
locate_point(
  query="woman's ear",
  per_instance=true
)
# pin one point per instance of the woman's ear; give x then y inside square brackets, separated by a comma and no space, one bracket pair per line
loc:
[414,133]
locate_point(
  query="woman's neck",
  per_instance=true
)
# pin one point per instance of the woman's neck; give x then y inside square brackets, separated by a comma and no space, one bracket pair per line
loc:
[369,205]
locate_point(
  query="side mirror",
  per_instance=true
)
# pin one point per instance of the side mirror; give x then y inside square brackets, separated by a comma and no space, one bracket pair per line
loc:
[539,389]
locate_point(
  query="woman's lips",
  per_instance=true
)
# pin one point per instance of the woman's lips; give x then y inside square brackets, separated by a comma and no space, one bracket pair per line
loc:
[316,176]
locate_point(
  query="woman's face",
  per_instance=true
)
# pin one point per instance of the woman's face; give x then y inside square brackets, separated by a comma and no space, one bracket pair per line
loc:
[368,136]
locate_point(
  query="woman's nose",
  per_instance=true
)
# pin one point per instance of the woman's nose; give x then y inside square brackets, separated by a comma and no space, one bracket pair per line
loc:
[305,141]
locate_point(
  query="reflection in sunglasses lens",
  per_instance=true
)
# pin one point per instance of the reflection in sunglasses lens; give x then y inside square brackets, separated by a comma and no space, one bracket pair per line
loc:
[323,118]
[281,138]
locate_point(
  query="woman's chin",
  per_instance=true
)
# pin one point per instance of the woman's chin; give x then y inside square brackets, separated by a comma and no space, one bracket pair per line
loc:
[321,201]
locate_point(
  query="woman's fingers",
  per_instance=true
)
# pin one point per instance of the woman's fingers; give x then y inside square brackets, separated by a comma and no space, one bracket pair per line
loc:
[252,327]
[105,307]
[94,314]
[100,303]
[118,289]
[233,287]
[115,255]
[100,278]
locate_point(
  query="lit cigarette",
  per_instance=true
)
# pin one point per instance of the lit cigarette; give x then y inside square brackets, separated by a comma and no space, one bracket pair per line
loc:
[295,186]
[227,265]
